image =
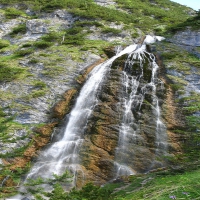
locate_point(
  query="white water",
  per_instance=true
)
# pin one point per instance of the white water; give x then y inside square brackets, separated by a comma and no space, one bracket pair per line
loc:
[64,154]
[133,98]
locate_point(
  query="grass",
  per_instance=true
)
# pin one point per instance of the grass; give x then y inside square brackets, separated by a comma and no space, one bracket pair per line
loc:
[142,14]
[9,73]
[12,13]
[162,187]
[20,29]
[114,31]
[4,43]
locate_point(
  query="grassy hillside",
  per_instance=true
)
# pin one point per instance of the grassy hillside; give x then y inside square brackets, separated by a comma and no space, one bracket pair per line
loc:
[146,15]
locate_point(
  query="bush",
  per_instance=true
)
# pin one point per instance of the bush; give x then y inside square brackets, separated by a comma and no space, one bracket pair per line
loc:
[19,29]
[4,43]
[90,192]
[24,52]
[42,44]
[111,30]
[8,73]
[12,13]
[51,37]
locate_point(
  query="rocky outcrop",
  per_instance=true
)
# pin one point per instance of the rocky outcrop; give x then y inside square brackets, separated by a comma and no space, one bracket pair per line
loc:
[188,39]
[101,136]
[63,106]
[36,26]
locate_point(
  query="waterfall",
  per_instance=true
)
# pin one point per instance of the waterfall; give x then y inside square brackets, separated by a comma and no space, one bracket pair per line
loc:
[133,97]
[63,155]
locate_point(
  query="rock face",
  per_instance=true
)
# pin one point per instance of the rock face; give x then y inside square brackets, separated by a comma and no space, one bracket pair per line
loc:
[99,150]
[36,26]
[189,40]
[101,135]
[187,37]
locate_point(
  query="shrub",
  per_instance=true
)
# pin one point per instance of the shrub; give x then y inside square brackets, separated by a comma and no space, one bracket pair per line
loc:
[111,30]
[27,45]
[4,43]
[8,73]
[38,93]
[40,84]
[42,44]
[19,29]
[52,36]
[24,52]
[12,13]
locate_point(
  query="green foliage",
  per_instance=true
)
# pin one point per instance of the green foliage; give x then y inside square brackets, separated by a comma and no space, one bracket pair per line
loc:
[58,193]
[111,30]
[90,192]
[52,37]
[33,61]
[162,187]
[21,28]
[12,13]
[88,23]
[74,36]
[193,22]
[42,44]
[40,84]
[9,73]
[37,93]
[24,52]
[4,43]
[27,45]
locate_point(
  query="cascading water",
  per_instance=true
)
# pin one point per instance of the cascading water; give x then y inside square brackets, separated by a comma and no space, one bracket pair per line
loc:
[133,97]
[64,154]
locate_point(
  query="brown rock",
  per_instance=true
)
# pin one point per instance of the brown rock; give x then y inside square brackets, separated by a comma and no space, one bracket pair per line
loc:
[63,106]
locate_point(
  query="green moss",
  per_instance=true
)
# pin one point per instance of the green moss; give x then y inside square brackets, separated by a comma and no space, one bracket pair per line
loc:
[4,43]
[36,94]
[111,30]
[24,52]
[21,28]
[9,73]
[12,13]
[42,44]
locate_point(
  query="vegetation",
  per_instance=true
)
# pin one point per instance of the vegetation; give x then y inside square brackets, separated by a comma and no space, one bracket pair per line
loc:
[12,13]
[162,186]
[9,73]
[4,43]
[193,22]
[21,28]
